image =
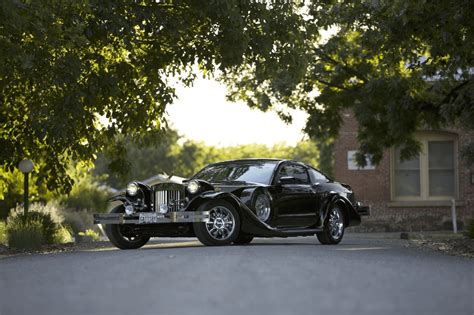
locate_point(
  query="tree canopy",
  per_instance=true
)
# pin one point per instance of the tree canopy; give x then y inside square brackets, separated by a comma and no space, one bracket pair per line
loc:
[399,65]
[75,76]
[65,65]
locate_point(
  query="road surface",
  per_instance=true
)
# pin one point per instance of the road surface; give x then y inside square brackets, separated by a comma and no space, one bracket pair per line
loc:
[362,275]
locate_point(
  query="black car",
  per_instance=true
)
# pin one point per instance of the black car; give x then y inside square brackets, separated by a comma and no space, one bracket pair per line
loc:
[233,202]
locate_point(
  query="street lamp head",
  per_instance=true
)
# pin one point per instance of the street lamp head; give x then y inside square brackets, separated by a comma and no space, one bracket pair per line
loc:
[26,166]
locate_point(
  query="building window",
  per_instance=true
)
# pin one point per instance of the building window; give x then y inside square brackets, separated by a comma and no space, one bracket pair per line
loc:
[431,175]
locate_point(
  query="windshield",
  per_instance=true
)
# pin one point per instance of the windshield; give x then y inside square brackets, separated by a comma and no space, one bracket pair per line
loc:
[249,172]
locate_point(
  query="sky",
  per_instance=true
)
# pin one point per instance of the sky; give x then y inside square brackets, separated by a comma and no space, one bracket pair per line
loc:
[202,113]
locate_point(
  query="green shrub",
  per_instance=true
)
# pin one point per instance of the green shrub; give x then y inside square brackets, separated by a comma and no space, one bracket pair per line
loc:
[93,234]
[3,233]
[45,220]
[470,229]
[78,220]
[62,235]
[52,208]
[86,196]
[23,234]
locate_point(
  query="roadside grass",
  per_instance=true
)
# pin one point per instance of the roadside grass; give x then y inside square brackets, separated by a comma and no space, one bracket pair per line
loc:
[3,233]
[25,234]
[39,227]
[93,235]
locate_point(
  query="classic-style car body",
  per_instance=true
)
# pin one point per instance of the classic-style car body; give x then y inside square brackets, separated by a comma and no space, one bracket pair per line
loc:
[234,201]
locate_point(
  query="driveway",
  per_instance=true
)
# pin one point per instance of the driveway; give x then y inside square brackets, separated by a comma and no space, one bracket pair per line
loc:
[362,275]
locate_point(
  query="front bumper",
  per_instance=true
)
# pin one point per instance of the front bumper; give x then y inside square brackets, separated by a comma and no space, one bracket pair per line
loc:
[152,217]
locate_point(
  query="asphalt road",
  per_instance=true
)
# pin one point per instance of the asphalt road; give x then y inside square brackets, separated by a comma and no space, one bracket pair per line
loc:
[271,276]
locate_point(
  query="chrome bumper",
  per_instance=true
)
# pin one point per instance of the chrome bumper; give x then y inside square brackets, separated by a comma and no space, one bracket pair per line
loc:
[152,217]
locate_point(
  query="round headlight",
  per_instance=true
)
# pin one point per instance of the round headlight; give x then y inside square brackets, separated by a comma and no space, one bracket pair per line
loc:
[193,186]
[132,189]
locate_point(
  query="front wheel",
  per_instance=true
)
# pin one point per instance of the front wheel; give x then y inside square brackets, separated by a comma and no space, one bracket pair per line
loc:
[223,226]
[122,235]
[334,230]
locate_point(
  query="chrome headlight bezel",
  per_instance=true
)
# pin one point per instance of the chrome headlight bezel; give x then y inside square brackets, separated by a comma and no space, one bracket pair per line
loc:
[132,189]
[193,186]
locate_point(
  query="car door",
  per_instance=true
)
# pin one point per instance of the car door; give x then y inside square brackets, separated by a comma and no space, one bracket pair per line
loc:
[295,197]
[320,187]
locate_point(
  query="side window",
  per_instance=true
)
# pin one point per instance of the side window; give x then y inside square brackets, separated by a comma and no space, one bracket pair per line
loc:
[317,177]
[300,174]
[283,171]
[297,171]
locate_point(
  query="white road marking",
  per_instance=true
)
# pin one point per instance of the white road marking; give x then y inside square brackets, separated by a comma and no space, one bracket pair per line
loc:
[362,248]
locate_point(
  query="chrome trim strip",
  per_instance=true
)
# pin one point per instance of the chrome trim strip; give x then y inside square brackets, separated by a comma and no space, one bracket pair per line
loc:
[152,218]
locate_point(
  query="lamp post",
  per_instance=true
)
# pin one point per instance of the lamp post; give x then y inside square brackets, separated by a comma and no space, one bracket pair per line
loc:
[26,166]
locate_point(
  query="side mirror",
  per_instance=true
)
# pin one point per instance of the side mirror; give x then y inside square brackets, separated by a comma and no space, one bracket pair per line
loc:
[286,180]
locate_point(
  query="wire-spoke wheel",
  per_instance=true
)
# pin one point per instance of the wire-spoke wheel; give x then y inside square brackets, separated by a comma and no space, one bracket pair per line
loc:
[122,235]
[334,229]
[223,225]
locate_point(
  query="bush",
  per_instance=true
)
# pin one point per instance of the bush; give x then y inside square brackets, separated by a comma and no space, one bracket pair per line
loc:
[24,234]
[92,234]
[52,208]
[3,233]
[86,196]
[470,229]
[62,235]
[78,220]
[48,226]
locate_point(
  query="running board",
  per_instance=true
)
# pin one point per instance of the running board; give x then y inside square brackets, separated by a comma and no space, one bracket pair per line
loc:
[295,232]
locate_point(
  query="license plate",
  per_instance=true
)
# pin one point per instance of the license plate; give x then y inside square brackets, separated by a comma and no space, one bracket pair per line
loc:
[147,218]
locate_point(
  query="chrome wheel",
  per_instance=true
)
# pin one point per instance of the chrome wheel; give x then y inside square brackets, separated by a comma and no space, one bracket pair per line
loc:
[221,223]
[262,207]
[336,223]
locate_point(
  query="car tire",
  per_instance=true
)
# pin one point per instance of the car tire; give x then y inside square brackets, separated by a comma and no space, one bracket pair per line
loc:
[334,229]
[115,233]
[243,239]
[223,226]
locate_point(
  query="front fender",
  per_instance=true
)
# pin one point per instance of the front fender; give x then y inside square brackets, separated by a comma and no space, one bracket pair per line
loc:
[249,224]
[351,216]
[121,198]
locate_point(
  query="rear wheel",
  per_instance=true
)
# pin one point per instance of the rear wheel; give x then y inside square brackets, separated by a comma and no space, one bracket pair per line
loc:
[334,229]
[122,235]
[223,225]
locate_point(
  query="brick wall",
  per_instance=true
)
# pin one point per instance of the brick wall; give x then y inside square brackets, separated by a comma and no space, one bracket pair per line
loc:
[372,187]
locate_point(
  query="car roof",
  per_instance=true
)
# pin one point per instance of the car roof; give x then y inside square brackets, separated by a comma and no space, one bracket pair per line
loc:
[246,160]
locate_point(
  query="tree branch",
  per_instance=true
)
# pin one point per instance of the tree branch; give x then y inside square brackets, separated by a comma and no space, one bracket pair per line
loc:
[342,64]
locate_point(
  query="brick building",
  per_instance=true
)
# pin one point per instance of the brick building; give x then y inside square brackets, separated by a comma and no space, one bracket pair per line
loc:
[412,195]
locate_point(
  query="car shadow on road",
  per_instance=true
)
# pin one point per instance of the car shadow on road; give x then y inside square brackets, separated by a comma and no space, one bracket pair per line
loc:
[191,244]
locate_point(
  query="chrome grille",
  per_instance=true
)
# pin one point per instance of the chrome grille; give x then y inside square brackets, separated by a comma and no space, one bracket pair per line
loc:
[168,197]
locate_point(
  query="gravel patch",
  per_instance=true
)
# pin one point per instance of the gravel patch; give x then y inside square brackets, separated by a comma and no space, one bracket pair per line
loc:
[456,247]
[54,248]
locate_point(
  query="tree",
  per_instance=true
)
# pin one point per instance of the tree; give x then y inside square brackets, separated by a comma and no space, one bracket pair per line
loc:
[399,65]
[74,75]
